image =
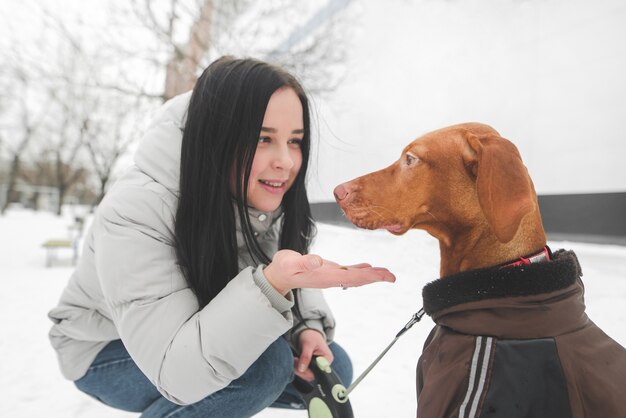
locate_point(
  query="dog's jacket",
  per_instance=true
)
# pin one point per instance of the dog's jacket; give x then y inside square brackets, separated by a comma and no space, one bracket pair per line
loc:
[516,342]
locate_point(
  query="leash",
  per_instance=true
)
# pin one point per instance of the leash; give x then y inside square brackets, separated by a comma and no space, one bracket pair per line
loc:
[329,397]
[414,320]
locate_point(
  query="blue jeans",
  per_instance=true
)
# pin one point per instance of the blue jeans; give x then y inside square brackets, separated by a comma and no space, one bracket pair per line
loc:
[115,380]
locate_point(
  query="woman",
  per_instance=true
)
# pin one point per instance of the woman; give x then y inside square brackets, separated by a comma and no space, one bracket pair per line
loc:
[183,301]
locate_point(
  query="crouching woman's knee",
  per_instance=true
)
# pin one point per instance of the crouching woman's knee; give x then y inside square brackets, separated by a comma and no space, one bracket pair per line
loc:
[272,371]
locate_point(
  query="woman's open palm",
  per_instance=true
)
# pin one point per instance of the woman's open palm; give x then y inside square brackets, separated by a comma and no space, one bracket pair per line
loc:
[290,269]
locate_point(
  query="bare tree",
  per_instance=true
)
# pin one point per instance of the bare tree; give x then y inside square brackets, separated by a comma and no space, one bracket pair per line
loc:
[86,120]
[302,36]
[21,128]
[108,139]
[73,106]
[181,68]
[172,40]
[62,152]
[43,171]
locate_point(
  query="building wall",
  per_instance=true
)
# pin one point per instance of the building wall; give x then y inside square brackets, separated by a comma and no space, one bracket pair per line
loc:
[596,217]
[549,75]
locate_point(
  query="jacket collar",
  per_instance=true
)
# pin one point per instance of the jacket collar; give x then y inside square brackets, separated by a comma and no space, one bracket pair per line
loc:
[535,300]
[261,222]
[266,228]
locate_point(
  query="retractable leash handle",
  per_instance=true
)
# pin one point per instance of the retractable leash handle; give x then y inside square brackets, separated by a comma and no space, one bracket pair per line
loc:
[324,398]
[329,397]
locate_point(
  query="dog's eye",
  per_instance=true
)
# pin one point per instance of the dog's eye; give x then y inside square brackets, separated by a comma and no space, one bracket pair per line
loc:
[410,159]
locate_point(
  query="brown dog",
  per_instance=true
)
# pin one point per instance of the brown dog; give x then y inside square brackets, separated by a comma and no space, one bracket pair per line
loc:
[512,338]
[465,185]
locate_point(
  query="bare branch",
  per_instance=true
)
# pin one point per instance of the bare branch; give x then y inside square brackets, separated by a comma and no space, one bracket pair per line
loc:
[146,16]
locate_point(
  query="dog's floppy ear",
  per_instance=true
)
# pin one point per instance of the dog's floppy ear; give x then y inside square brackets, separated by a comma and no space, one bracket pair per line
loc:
[504,189]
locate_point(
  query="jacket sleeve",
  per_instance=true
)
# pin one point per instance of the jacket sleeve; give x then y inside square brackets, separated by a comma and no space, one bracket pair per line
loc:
[186,353]
[312,312]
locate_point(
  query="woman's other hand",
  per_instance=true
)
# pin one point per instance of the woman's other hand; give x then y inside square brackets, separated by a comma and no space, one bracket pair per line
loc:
[291,270]
[312,343]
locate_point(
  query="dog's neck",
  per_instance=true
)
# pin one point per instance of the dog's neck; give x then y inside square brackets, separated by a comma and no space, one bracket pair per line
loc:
[477,247]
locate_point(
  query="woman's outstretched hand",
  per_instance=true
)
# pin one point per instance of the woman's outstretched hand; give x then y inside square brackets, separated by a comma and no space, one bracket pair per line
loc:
[290,270]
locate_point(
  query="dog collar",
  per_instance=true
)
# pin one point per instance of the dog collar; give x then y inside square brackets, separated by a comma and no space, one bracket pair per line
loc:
[544,255]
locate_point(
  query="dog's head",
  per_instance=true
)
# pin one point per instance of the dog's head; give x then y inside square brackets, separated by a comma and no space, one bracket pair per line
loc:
[445,182]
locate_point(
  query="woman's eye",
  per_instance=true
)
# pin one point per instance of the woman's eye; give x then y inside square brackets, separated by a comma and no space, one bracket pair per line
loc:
[264,139]
[296,141]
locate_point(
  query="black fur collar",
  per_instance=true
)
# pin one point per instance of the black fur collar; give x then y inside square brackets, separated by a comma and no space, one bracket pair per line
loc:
[496,282]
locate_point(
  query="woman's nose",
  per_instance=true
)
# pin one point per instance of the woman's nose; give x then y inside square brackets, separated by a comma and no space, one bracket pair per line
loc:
[283,159]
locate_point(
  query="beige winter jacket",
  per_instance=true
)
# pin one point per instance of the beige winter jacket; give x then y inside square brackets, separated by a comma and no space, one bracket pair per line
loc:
[127,285]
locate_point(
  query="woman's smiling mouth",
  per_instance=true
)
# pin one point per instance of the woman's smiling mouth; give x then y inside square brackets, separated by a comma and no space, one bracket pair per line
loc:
[273,186]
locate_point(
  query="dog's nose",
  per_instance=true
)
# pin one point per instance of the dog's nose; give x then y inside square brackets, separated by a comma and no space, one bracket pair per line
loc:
[340,192]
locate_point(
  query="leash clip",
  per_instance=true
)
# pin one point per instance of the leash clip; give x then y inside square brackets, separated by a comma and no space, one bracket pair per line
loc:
[417,316]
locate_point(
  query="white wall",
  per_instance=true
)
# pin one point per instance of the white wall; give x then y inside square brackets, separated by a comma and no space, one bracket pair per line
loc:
[549,75]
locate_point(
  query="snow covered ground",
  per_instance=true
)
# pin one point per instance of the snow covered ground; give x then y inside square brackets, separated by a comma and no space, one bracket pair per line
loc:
[368,317]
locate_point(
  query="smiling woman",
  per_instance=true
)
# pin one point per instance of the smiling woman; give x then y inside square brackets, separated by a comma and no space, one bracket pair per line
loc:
[278,155]
[195,286]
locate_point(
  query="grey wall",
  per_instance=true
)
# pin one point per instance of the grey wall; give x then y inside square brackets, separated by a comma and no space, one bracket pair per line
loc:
[598,218]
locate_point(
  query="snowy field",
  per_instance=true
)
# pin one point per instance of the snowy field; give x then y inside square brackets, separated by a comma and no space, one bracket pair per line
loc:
[368,317]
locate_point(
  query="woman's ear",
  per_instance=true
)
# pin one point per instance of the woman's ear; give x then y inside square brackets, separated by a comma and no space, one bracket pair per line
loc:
[504,189]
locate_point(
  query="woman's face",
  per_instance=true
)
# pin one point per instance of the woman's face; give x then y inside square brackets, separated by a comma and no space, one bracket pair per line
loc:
[278,156]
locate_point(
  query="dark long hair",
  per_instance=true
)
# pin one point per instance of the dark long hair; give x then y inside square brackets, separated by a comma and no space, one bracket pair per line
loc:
[220,137]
